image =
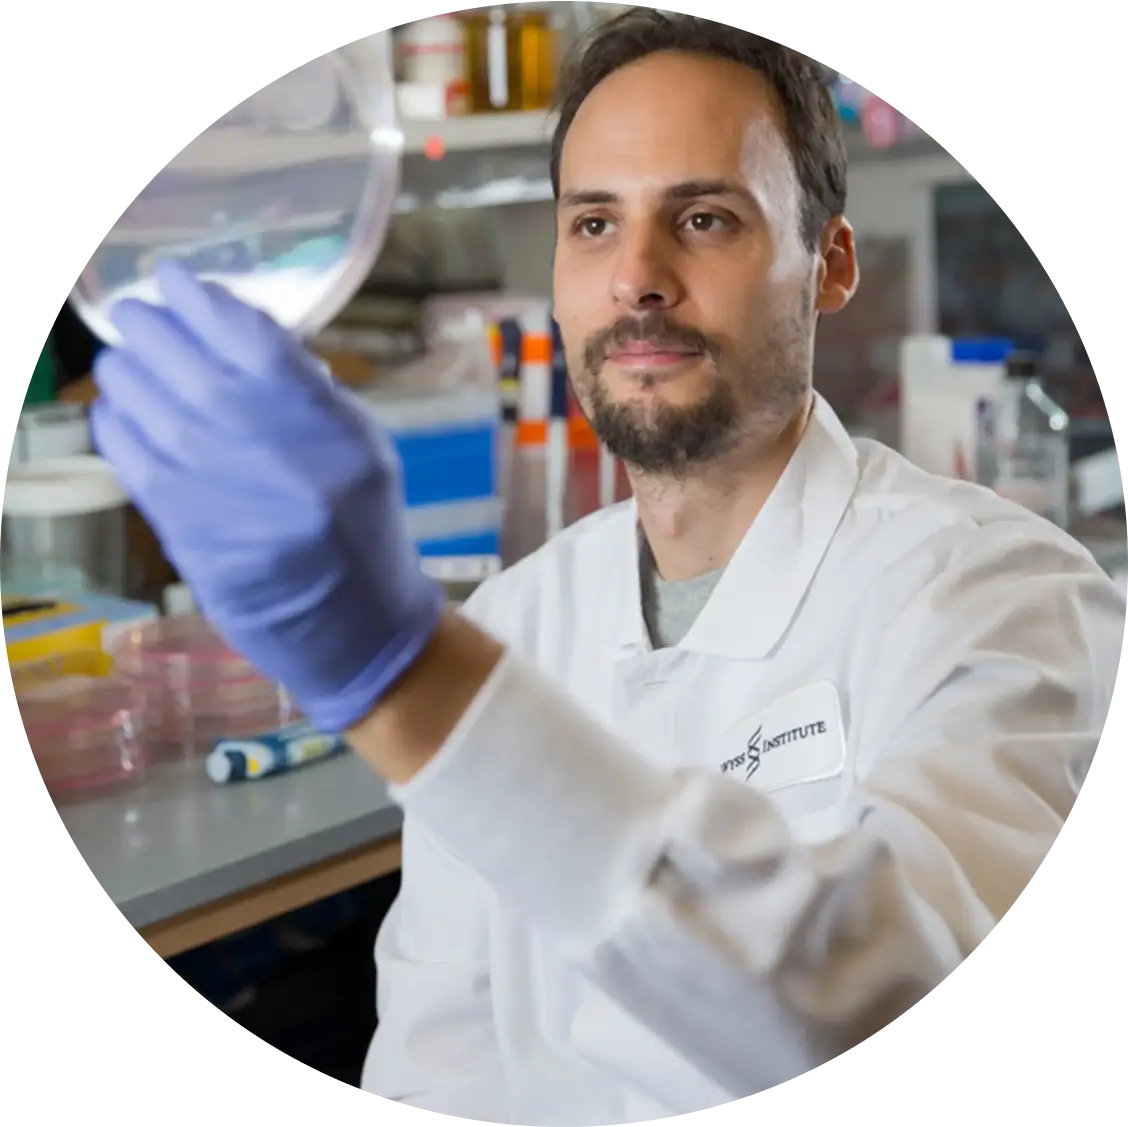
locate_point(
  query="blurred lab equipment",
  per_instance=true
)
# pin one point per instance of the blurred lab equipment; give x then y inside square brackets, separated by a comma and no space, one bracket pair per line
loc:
[433,67]
[552,469]
[40,626]
[64,516]
[537,479]
[45,430]
[461,576]
[1098,486]
[442,412]
[284,200]
[1023,443]
[941,385]
[51,430]
[512,57]
[177,599]
[194,689]
[446,438]
[85,725]
[45,581]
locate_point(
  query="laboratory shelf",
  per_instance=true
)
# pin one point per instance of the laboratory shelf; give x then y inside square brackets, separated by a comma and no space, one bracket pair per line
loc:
[234,150]
[478,132]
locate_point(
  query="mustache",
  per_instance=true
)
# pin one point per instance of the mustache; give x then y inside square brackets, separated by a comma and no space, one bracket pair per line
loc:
[654,329]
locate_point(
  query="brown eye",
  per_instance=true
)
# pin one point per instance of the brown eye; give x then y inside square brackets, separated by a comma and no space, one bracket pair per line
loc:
[703,222]
[591,227]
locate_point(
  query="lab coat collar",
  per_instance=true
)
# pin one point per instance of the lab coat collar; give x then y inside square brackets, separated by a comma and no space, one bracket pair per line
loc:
[766,580]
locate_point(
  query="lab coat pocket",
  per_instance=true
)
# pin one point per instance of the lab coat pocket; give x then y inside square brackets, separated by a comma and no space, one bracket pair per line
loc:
[794,750]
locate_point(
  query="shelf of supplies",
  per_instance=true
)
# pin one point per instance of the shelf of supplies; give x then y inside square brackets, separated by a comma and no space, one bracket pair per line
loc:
[490,132]
[237,152]
[479,132]
[230,152]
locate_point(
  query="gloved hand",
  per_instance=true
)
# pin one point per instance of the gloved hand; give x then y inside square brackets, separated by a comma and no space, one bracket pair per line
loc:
[277,499]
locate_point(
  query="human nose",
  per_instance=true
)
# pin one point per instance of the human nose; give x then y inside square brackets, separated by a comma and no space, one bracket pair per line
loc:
[646,275]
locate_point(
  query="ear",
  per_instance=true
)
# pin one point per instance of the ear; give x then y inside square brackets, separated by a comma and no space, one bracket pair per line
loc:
[838,267]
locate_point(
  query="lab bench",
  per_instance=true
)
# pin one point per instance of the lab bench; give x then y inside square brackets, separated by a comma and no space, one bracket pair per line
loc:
[188,862]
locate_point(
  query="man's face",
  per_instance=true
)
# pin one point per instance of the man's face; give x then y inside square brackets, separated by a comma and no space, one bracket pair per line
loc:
[685,295]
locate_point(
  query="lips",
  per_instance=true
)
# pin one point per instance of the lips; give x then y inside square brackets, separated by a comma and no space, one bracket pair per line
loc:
[644,349]
[641,353]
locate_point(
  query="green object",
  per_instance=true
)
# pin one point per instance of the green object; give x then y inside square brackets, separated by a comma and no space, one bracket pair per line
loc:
[45,379]
[316,253]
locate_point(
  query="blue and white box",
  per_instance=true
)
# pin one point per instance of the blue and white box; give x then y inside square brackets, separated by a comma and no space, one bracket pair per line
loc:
[447,440]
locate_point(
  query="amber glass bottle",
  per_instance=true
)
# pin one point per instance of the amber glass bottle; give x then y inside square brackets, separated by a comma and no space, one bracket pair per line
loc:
[512,58]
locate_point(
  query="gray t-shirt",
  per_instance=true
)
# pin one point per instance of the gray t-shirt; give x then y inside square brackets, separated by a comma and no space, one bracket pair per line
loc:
[671,608]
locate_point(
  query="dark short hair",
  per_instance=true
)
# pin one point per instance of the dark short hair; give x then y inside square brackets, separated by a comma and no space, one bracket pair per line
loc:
[803,87]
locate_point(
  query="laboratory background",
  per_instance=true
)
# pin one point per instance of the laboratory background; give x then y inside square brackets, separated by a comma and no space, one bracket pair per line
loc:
[391,203]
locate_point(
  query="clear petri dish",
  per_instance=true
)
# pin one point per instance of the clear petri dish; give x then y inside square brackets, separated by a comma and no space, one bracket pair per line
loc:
[180,650]
[195,689]
[285,201]
[85,725]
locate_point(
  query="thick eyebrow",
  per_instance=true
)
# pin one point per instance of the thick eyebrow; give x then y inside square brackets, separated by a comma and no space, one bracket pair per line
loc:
[676,193]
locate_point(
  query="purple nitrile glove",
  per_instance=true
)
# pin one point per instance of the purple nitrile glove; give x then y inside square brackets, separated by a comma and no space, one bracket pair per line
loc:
[276,497]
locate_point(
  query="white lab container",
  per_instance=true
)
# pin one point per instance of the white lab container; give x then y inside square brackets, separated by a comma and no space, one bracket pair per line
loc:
[51,430]
[940,397]
[435,68]
[64,516]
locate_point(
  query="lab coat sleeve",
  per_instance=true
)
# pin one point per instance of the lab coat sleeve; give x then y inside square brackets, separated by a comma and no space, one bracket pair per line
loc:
[435,1046]
[685,897]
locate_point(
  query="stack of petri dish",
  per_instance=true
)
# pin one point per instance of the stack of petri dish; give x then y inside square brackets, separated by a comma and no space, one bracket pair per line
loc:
[85,725]
[195,689]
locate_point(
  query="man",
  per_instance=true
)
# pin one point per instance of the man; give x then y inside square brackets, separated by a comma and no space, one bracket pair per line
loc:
[722,780]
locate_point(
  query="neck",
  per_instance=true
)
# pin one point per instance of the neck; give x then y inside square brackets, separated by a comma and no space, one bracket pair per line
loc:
[694,524]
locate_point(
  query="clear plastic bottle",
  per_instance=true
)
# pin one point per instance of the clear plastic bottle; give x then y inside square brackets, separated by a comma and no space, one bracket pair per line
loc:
[1023,443]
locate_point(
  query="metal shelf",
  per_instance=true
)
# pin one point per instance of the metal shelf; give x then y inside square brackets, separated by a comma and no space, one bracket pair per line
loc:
[492,132]
[480,132]
[233,151]
[494,160]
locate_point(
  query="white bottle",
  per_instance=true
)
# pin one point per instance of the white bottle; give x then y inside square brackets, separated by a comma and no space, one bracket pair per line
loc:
[941,384]
[434,63]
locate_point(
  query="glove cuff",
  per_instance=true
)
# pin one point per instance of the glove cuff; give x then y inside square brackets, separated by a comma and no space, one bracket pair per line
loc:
[349,706]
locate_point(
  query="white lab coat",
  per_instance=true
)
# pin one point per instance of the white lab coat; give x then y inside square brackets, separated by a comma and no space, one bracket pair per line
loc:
[642,883]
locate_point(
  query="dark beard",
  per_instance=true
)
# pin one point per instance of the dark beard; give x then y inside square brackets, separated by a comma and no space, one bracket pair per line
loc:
[668,440]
